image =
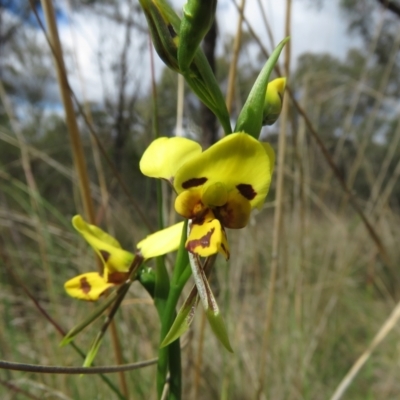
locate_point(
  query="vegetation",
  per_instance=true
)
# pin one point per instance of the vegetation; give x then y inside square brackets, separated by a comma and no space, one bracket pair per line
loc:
[337,280]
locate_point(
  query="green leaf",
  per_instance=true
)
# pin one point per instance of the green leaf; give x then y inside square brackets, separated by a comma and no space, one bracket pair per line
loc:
[251,117]
[208,300]
[202,81]
[218,327]
[122,291]
[94,348]
[183,319]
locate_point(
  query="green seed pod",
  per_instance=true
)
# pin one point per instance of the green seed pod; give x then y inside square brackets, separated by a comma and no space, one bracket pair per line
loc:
[198,16]
[163,30]
[273,100]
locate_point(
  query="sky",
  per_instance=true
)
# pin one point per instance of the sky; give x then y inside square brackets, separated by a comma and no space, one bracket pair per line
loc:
[313,30]
[86,37]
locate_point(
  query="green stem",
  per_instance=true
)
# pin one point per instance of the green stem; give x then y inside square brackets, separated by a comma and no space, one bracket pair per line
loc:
[170,356]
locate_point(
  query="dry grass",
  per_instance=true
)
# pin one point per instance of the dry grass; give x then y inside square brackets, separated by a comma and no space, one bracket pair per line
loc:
[346,298]
[333,291]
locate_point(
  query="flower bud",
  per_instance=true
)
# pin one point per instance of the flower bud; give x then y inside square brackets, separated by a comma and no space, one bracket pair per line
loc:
[273,100]
[198,16]
[163,31]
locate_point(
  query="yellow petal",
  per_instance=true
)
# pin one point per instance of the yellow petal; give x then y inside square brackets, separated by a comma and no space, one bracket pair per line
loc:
[238,161]
[92,231]
[89,286]
[161,242]
[109,250]
[235,213]
[189,204]
[270,153]
[165,156]
[207,237]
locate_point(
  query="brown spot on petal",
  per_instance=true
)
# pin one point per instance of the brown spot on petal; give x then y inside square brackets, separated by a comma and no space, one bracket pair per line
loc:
[85,286]
[200,217]
[246,191]
[117,277]
[105,255]
[194,182]
[203,241]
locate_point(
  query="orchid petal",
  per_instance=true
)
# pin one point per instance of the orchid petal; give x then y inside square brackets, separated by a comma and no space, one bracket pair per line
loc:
[238,160]
[189,203]
[89,286]
[161,242]
[165,156]
[207,237]
[236,212]
[108,249]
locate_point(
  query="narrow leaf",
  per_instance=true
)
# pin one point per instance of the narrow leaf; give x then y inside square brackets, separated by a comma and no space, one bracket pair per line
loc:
[218,327]
[184,318]
[94,348]
[90,318]
[96,343]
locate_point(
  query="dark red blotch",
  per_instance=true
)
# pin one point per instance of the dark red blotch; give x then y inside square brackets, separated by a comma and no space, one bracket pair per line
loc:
[194,182]
[246,191]
[85,286]
[204,241]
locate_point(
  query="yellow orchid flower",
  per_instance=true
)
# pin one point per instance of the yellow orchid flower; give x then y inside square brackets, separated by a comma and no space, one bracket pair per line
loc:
[216,188]
[117,261]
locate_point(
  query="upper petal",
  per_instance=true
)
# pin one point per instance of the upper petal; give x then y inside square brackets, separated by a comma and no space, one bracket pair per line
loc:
[161,242]
[109,250]
[165,156]
[238,161]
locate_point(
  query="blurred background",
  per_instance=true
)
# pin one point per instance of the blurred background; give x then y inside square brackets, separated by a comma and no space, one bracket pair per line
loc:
[297,321]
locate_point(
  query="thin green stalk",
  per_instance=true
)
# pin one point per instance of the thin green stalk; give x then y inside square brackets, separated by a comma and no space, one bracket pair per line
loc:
[165,297]
[170,355]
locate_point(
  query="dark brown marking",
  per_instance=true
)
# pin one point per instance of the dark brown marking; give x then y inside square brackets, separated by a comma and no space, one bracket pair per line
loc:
[203,241]
[226,251]
[246,191]
[85,286]
[200,217]
[193,182]
[105,255]
[117,277]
